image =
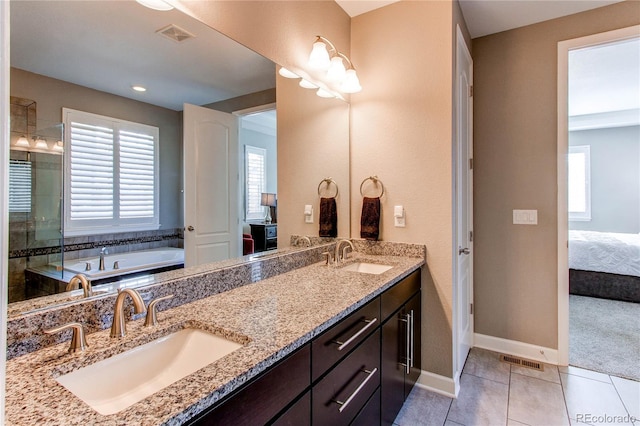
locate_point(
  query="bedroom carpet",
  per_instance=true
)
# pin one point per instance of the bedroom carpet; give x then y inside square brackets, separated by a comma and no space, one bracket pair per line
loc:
[604,335]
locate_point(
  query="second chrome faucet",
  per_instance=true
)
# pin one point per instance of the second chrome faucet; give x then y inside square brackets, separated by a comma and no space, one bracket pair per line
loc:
[119,328]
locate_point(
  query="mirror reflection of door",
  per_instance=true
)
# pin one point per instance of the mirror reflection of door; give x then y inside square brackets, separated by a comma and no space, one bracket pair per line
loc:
[212,226]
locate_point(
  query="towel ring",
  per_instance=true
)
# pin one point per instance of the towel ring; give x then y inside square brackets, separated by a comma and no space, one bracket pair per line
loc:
[328,181]
[375,181]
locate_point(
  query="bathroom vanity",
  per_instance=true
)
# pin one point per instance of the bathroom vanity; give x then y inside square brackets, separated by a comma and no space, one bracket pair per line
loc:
[310,352]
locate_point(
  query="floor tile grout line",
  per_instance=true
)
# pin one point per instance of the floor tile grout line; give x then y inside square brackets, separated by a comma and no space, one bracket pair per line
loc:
[509,394]
[484,378]
[564,398]
[539,378]
[448,411]
[620,397]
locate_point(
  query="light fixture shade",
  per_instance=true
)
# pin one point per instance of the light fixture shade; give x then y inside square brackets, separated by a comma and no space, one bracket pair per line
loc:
[287,74]
[325,93]
[337,70]
[59,146]
[156,4]
[319,57]
[41,143]
[268,199]
[351,84]
[307,84]
[22,141]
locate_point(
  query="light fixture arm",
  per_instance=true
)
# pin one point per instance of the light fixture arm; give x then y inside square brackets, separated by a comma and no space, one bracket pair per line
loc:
[325,40]
[346,58]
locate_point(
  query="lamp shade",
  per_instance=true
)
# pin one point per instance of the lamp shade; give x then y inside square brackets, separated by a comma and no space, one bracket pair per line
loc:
[268,199]
[22,141]
[41,143]
[351,83]
[323,93]
[337,70]
[307,84]
[319,57]
[287,74]
[156,4]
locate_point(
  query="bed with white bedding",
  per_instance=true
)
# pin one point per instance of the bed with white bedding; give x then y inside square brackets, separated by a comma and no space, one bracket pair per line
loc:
[604,264]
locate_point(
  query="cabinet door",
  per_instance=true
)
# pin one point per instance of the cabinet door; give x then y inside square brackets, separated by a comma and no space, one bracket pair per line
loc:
[393,372]
[414,309]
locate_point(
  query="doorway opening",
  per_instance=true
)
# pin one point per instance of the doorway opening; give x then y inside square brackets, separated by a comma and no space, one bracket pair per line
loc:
[599,202]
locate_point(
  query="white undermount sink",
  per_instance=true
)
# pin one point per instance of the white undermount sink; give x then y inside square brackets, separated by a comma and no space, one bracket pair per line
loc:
[120,381]
[367,268]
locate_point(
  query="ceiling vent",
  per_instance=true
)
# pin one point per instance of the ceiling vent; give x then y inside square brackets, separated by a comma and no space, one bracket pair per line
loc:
[175,33]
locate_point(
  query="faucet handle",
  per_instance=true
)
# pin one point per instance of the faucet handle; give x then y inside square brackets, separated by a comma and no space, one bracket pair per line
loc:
[329,259]
[78,339]
[151,318]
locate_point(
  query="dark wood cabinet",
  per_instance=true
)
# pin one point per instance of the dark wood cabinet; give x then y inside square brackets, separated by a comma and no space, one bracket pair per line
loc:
[265,397]
[265,236]
[400,356]
[358,372]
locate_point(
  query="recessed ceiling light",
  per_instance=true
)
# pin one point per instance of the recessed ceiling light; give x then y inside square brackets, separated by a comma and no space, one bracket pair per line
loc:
[139,88]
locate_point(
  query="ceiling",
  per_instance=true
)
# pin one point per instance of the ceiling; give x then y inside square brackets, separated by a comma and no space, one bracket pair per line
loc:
[97,45]
[484,17]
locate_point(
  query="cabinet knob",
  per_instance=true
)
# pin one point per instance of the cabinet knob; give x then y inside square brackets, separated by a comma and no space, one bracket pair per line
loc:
[191,228]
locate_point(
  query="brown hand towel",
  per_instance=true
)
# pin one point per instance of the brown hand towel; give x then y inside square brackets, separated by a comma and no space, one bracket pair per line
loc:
[328,217]
[370,220]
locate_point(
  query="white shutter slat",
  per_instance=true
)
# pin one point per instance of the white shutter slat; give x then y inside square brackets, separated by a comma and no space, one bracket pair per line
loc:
[19,186]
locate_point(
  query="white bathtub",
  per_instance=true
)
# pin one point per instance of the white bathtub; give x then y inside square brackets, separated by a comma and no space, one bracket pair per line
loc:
[135,261]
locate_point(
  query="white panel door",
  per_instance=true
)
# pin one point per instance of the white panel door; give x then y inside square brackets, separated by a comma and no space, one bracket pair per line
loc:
[464,203]
[212,230]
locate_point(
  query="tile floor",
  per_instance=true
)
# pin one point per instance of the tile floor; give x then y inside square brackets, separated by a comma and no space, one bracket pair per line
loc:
[496,393]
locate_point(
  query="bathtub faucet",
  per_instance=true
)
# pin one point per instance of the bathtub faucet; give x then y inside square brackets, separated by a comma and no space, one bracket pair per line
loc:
[103,252]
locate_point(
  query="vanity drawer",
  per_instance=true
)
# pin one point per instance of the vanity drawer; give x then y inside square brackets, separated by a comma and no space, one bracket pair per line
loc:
[352,382]
[264,397]
[397,295]
[338,341]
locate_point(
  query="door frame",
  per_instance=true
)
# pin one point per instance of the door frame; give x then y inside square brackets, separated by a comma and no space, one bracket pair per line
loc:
[4,188]
[461,48]
[564,47]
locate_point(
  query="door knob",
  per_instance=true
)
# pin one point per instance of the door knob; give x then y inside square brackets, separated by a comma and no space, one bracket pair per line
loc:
[463,251]
[190,228]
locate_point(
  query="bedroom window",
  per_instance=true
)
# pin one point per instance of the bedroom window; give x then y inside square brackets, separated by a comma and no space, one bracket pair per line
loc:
[255,160]
[111,175]
[579,171]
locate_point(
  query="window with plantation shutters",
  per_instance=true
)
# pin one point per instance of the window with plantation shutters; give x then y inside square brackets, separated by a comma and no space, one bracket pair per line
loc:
[111,174]
[19,186]
[255,160]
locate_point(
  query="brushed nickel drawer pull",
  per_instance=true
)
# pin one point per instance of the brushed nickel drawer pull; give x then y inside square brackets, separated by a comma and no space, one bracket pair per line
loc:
[343,404]
[355,336]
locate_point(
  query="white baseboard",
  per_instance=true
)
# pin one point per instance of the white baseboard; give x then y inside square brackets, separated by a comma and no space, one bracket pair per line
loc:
[512,347]
[439,384]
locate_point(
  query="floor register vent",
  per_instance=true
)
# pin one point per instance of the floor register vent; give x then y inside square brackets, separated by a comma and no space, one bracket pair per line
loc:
[514,360]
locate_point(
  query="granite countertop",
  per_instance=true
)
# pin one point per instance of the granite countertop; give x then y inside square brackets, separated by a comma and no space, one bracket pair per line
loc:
[272,317]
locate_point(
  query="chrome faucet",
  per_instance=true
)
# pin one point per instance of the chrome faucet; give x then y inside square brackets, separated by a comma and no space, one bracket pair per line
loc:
[84,282]
[103,252]
[305,239]
[342,255]
[118,327]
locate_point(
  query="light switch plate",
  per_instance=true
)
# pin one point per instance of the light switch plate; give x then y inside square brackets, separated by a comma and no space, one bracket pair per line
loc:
[525,217]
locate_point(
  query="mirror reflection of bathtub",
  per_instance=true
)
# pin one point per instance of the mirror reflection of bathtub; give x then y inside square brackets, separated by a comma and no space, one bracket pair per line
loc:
[128,265]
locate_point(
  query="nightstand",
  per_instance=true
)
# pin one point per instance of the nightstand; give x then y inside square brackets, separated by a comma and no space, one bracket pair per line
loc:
[265,236]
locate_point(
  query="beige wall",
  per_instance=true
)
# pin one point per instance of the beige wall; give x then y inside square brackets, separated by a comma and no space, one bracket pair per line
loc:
[313,144]
[401,131]
[52,95]
[515,119]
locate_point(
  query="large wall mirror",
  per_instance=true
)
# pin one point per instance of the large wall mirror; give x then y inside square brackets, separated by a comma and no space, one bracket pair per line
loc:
[87,57]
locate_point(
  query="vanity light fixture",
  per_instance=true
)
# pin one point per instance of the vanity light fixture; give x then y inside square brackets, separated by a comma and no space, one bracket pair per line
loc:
[22,141]
[156,4]
[139,88]
[41,143]
[307,84]
[287,74]
[323,93]
[333,62]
